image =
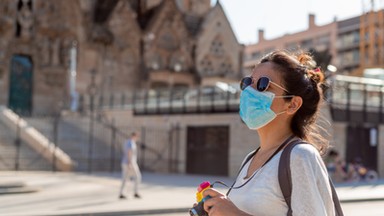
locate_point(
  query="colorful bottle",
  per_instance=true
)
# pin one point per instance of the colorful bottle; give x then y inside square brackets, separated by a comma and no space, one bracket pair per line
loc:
[202,187]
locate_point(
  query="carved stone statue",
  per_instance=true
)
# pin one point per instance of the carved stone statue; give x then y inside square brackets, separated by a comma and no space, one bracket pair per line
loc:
[25,20]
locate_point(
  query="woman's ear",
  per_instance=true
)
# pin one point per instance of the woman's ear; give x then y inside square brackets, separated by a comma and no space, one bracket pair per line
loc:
[294,105]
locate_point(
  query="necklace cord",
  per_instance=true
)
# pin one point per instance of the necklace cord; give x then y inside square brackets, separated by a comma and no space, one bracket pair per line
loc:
[274,153]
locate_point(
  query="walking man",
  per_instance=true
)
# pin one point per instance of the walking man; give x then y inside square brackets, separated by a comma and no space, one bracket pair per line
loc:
[129,167]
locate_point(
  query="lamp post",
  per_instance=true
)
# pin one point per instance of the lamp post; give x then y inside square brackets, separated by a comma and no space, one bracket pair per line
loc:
[92,92]
[329,77]
[72,77]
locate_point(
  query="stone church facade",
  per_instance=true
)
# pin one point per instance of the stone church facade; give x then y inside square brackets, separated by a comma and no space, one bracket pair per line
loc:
[51,51]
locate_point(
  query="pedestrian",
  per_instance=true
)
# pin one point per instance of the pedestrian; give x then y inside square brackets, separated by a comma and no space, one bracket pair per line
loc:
[130,169]
[336,166]
[281,101]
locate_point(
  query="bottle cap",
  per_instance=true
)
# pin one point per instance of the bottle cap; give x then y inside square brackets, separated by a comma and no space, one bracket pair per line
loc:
[203,185]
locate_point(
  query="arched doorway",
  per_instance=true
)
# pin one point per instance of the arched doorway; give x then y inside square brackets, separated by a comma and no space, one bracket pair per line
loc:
[20,85]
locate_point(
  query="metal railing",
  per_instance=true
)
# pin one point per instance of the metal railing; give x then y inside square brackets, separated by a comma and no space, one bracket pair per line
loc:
[169,101]
[357,97]
[345,93]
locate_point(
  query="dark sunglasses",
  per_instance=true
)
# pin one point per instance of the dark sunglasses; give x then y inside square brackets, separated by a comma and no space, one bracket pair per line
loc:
[262,83]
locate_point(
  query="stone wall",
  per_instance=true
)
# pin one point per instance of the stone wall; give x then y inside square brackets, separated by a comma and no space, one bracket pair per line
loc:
[241,139]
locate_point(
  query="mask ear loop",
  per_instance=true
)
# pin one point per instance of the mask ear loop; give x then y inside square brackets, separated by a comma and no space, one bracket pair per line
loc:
[283,96]
[281,112]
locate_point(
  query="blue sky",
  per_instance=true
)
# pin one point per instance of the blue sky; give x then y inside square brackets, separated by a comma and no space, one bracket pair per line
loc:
[279,17]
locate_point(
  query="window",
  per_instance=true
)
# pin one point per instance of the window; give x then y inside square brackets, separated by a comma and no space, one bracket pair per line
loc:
[324,39]
[217,48]
[306,44]
[256,55]
[206,66]
[268,50]
[291,46]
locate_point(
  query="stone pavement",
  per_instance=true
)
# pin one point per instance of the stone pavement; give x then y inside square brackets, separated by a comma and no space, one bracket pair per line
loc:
[47,193]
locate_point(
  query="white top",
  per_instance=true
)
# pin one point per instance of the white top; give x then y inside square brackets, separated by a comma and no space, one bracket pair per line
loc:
[129,145]
[311,191]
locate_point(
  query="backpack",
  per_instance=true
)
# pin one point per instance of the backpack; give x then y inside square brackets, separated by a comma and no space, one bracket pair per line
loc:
[285,180]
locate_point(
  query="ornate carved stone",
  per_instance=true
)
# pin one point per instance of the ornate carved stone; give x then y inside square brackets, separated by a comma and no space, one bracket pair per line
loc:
[154,61]
[178,62]
[45,55]
[167,40]
[55,50]
[126,46]
[25,19]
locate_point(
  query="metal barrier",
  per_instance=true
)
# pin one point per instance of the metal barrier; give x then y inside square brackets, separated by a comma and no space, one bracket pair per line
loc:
[357,99]
[94,144]
[170,101]
[345,93]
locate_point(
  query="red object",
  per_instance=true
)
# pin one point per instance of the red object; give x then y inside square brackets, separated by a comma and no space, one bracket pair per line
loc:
[203,185]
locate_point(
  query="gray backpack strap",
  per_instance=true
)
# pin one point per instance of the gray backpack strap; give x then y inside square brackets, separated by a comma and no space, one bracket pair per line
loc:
[336,201]
[285,180]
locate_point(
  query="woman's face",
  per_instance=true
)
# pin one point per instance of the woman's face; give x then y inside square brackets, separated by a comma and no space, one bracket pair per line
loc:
[266,69]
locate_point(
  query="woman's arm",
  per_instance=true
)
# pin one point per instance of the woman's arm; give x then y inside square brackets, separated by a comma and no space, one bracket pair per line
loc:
[311,191]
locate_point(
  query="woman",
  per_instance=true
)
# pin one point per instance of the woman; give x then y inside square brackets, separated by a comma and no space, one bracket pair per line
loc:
[281,100]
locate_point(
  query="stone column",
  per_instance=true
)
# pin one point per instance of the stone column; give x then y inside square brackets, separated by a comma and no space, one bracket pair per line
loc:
[380,152]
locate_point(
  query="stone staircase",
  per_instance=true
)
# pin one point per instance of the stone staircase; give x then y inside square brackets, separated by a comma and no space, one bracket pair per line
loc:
[18,157]
[73,137]
[15,188]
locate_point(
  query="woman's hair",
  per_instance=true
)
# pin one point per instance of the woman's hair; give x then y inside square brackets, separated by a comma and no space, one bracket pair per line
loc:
[302,78]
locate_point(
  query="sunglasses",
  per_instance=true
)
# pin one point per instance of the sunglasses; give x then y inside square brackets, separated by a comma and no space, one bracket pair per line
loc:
[262,83]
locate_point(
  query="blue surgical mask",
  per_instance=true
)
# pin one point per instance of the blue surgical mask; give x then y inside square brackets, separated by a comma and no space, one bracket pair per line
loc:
[255,107]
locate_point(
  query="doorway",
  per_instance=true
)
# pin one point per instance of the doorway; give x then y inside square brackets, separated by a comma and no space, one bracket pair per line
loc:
[362,142]
[207,150]
[20,85]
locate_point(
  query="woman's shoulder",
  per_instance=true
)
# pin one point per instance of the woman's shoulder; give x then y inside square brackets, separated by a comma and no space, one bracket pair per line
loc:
[306,156]
[305,150]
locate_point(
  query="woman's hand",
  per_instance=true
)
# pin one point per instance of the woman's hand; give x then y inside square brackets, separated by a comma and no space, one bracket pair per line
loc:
[219,204]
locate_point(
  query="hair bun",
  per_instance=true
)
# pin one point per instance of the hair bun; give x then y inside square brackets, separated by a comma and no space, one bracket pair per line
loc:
[315,75]
[306,60]
[312,72]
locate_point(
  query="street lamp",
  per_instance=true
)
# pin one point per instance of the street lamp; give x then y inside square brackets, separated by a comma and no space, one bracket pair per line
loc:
[72,77]
[329,76]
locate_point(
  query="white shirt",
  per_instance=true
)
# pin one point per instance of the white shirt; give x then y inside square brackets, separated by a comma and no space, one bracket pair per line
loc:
[311,192]
[129,145]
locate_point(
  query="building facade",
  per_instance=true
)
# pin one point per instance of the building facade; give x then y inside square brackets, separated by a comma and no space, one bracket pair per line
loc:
[354,44]
[319,38]
[54,51]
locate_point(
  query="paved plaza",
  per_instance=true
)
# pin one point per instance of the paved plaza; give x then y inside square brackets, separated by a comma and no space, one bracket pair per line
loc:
[48,193]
